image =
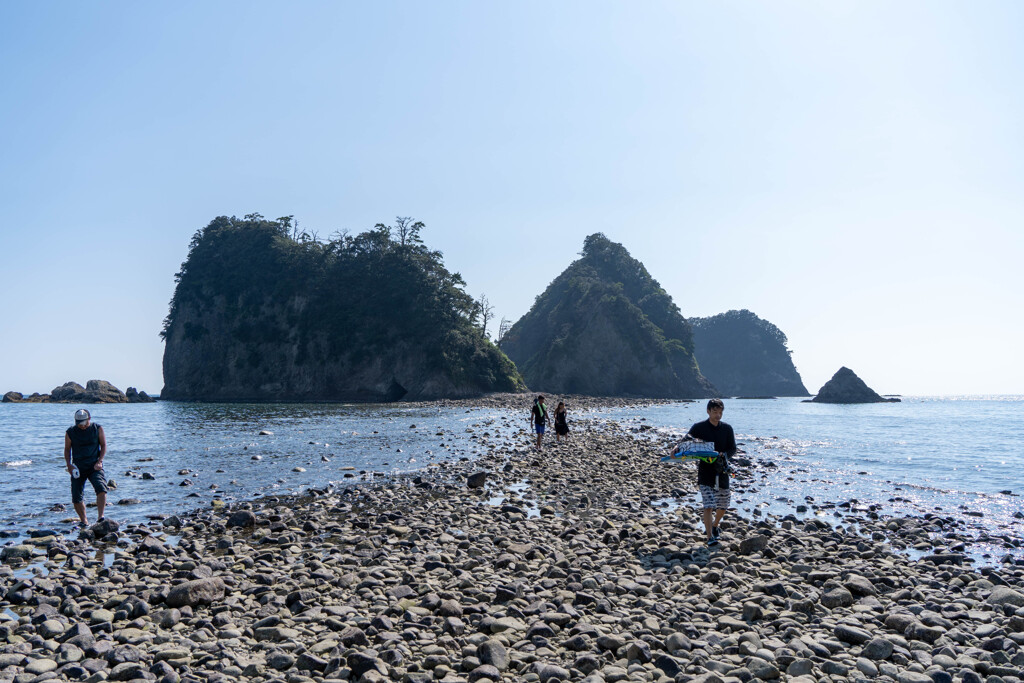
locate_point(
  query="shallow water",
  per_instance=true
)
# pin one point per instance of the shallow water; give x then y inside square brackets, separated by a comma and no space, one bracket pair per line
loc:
[218,449]
[954,456]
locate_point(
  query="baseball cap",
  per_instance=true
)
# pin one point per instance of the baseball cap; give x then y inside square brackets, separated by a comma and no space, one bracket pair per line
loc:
[81,415]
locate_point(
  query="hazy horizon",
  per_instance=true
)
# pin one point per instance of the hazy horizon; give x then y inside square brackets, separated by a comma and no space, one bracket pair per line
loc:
[851,172]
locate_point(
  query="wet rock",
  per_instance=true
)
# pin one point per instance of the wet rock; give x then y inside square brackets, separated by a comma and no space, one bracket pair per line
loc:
[476,480]
[242,518]
[15,552]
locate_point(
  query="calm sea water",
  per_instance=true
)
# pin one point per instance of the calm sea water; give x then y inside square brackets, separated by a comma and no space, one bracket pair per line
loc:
[951,455]
[960,456]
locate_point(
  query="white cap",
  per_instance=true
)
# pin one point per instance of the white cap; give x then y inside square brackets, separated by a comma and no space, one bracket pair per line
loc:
[82,415]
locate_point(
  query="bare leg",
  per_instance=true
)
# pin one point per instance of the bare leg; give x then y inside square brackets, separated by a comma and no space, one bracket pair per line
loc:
[101,502]
[719,514]
[708,514]
[80,509]
[539,437]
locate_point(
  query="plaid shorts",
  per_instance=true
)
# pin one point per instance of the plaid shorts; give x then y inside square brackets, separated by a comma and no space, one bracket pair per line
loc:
[97,478]
[715,497]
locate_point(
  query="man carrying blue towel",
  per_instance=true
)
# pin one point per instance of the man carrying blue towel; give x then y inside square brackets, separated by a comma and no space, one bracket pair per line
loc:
[713,477]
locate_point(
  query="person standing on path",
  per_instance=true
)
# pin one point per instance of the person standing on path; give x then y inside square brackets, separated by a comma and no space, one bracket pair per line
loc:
[713,477]
[84,448]
[561,426]
[539,418]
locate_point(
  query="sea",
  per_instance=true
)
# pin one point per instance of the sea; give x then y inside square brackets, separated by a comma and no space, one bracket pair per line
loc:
[950,456]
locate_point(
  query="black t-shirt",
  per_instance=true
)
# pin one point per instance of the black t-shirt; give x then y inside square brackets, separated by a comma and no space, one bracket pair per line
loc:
[540,413]
[725,442]
[85,444]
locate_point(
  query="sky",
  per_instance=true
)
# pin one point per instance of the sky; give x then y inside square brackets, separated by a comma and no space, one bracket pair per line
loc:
[850,171]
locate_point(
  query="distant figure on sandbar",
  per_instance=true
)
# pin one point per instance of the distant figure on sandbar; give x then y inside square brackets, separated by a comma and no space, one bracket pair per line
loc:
[84,448]
[538,418]
[713,477]
[561,426]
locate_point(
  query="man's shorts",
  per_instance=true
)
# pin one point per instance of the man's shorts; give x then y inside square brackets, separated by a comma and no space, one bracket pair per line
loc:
[96,477]
[540,428]
[714,498]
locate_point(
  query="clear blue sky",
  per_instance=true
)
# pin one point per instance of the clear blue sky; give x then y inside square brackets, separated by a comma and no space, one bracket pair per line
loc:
[851,171]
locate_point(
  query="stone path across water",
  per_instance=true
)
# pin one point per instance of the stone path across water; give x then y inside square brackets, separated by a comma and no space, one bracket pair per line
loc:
[557,568]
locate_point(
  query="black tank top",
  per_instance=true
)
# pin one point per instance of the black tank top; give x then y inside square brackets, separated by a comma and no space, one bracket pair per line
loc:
[85,443]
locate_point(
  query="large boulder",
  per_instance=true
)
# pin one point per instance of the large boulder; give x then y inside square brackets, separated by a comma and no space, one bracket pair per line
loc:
[135,396]
[846,387]
[94,391]
[103,391]
[198,592]
[13,397]
[68,392]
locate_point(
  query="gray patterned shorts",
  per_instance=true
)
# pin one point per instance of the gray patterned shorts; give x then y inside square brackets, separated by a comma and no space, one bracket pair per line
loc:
[715,498]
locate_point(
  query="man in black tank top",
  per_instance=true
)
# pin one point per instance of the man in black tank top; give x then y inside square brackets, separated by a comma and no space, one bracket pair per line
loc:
[84,448]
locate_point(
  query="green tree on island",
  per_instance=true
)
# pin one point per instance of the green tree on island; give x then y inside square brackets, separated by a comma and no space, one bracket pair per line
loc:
[264,310]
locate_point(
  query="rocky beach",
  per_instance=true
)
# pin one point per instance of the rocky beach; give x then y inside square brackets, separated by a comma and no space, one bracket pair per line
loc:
[564,564]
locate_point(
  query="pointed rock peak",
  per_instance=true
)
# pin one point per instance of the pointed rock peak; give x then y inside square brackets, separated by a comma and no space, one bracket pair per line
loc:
[846,387]
[605,327]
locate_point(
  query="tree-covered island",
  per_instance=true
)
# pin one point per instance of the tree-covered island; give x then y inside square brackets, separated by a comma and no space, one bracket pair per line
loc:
[265,311]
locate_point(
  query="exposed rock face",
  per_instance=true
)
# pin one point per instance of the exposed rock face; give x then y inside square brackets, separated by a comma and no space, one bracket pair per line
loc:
[94,391]
[605,327]
[135,396]
[846,387]
[258,315]
[744,355]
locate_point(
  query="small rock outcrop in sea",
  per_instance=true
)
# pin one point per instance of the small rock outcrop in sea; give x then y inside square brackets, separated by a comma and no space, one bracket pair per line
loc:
[744,355]
[605,327]
[846,387]
[260,313]
[94,391]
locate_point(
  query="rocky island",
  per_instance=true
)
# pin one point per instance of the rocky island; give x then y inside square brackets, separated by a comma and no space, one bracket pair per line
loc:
[846,387]
[606,327]
[94,391]
[265,312]
[744,355]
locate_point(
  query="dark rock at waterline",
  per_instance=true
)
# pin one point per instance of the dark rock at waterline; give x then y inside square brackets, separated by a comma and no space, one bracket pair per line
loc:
[476,480]
[135,396]
[103,527]
[242,518]
[846,387]
[13,397]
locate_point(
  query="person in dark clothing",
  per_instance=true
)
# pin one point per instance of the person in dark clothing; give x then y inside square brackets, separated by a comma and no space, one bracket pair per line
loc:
[561,426]
[85,445]
[539,418]
[713,477]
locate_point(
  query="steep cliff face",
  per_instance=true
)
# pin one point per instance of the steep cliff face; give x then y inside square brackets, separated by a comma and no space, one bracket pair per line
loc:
[260,315]
[605,327]
[744,355]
